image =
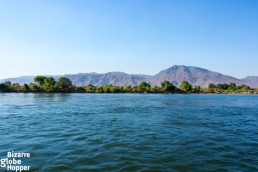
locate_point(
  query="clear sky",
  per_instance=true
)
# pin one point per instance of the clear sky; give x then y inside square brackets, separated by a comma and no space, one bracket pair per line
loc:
[133,36]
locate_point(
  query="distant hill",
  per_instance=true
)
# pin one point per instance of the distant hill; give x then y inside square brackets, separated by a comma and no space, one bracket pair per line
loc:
[252,81]
[194,75]
[114,78]
[20,80]
[175,74]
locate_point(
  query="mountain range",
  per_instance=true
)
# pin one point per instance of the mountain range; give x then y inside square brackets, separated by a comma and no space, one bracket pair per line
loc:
[175,74]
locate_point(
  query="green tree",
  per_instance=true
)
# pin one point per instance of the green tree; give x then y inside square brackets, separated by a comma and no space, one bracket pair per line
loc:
[65,84]
[106,88]
[115,89]
[134,89]
[167,87]
[143,87]
[16,87]
[156,89]
[4,87]
[49,84]
[40,79]
[81,89]
[8,83]
[212,85]
[197,88]
[232,86]
[186,86]
[46,84]
[25,88]
[127,89]
[244,87]
[34,87]
[99,89]
[90,88]
[211,88]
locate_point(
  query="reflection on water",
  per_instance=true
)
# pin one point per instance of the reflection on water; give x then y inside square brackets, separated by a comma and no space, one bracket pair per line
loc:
[131,132]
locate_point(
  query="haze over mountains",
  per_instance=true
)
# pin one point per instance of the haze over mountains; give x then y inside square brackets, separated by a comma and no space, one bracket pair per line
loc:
[175,74]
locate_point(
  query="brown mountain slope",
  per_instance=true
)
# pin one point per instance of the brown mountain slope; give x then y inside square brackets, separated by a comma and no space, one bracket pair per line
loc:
[114,78]
[252,81]
[194,75]
[175,74]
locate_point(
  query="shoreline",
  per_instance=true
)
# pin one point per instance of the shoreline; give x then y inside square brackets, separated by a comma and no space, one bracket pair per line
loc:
[128,93]
[44,84]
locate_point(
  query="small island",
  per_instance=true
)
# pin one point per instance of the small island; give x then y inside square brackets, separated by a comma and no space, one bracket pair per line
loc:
[43,84]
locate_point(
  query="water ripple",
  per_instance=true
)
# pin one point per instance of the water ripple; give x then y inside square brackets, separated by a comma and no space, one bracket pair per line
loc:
[131,132]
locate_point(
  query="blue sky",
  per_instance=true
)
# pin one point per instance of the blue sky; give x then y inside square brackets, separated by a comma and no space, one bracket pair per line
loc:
[133,36]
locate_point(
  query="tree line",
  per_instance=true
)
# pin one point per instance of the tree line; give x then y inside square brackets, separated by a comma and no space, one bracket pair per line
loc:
[43,84]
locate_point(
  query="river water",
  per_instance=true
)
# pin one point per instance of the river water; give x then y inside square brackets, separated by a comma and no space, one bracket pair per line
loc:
[131,132]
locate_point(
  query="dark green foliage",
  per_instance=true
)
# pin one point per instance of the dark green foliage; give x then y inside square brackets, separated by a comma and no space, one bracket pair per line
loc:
[167,87]
[186,86]
[4,87]
[144,87]
[134,89]
[48,84]
[81,89]
[156,89]
[90,88]
[243,87]
[221,86]
[40,79]
[99,89]
[25,88]
[115,89]
[7,86]
[127,89]
[197,89]
[44,84]
[64,84]
[231,86]
[228,88]
[212,86]
[106,88]
[8,83]
[34,87]
[15,86]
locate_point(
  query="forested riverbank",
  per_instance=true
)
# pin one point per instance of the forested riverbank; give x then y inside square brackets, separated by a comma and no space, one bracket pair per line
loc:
[44,84]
